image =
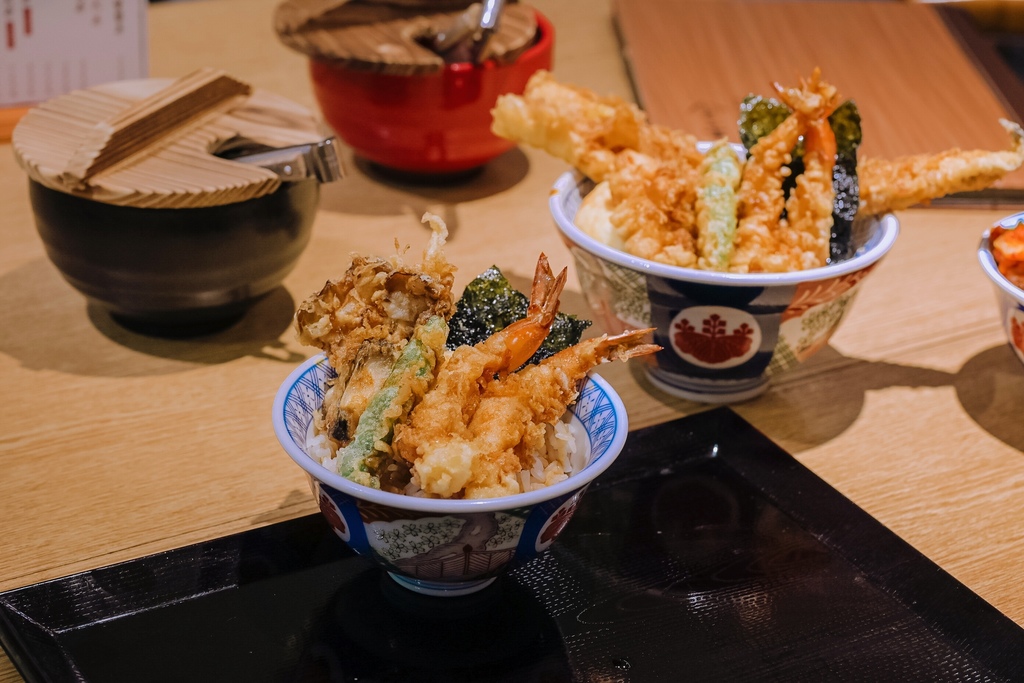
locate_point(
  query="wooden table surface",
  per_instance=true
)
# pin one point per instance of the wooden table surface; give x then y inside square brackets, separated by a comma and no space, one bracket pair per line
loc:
[115,445]
[916,90]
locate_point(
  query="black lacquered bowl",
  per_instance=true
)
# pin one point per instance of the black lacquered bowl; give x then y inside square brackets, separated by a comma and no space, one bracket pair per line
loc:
[176,271]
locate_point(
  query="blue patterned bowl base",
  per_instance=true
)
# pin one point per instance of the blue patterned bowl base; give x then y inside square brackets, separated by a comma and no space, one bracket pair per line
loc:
[708,390]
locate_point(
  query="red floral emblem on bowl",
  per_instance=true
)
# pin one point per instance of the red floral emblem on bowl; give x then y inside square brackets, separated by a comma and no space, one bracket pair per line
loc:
[557,522]
[725,338]
[331,514]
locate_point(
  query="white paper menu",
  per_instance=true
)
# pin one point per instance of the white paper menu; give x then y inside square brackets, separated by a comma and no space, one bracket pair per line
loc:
[50,47]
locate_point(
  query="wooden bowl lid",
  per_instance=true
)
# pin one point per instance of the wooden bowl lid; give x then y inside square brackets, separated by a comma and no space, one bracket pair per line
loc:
[150,143]
[388,36]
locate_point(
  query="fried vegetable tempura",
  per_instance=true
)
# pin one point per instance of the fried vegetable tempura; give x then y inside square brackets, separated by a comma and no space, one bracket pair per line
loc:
[653,200]
[716,205]
[364,320]
[653,207]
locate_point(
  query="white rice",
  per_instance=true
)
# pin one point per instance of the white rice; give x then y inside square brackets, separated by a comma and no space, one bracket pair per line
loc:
[321,449]
[557,463]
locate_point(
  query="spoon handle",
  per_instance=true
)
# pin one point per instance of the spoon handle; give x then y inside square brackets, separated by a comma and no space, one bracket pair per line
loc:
[489,19]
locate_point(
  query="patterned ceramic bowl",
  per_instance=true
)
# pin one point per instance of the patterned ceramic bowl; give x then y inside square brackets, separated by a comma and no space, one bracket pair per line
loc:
[1009,297]
[446,547]
[723,334]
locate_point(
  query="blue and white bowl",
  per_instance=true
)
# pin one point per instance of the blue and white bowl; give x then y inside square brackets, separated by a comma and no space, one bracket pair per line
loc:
[723,335]
[437,546]
[1009,297]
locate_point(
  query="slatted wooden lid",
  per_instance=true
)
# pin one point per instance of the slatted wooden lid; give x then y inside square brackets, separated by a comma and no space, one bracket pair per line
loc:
[150,143]
[387,37]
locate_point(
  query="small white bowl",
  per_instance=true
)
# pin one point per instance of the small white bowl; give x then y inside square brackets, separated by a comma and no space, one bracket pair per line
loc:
[439,546]
[722,334]
[1009,297]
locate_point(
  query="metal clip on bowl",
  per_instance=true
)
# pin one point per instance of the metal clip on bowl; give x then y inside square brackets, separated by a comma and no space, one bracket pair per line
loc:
[317,159]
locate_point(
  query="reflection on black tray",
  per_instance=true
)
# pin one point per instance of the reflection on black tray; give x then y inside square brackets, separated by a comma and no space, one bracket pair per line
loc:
[704,553]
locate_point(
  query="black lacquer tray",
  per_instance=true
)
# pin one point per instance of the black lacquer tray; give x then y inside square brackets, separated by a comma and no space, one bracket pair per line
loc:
[706,553]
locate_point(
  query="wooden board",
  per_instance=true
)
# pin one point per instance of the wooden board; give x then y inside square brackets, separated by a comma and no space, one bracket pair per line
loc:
[918,90]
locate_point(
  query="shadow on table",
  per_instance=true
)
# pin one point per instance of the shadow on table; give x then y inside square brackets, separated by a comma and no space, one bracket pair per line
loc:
[45,324]
[373,629]
[369,190]
[990,387]
[257,334]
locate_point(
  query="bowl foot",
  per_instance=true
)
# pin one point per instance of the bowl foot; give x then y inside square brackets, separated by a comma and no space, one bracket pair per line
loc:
[174,328]
[410,637]
[709,391]
[449,589]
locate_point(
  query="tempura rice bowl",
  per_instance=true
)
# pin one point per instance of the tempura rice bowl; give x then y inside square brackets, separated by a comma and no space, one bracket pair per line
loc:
[723,335]
[442,546]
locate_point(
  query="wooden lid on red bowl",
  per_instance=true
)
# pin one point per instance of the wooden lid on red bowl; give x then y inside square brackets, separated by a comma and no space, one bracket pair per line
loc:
[392,36]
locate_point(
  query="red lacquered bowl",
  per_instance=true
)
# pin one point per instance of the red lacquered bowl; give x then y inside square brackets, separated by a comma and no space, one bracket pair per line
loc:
[431,123]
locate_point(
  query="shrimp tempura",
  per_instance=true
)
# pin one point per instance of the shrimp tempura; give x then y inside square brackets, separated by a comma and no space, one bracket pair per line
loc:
[480,453]
[570,123]
[762,244]
[901,183]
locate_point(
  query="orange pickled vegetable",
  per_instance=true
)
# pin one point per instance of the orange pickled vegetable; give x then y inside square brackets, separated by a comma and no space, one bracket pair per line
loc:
[1008,250]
